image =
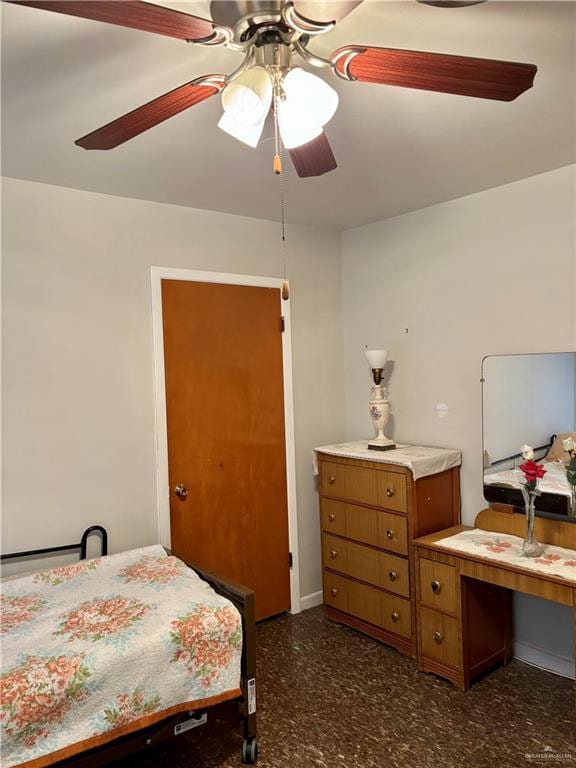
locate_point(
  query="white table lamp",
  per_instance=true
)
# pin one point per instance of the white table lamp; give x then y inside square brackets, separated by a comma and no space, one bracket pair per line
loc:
[379,404]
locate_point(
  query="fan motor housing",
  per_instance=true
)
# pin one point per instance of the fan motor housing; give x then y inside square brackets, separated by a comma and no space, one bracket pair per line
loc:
[241,15]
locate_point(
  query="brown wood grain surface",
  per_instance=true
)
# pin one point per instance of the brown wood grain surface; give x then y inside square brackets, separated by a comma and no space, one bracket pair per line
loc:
[314,158]
[130,13]
[461,75]
[226,435]
[148,115]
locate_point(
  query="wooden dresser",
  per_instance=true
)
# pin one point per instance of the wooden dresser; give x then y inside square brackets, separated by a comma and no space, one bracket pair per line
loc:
[370,512]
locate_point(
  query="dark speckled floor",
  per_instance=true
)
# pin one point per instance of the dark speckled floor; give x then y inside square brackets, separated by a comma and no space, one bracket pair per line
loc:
[329,696]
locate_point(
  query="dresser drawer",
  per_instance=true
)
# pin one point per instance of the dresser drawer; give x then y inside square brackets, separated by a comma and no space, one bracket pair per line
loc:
[334,516]
[368,603]
[367,564]
[366,486]
[439,637]
[335,553]
[396,615]
[438,585]
[368,526]
[374,526]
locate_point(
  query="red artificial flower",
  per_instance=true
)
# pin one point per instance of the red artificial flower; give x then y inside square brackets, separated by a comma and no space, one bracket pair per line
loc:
[532,471]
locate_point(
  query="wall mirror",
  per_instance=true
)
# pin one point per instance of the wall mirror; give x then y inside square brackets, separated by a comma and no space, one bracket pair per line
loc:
[528,399]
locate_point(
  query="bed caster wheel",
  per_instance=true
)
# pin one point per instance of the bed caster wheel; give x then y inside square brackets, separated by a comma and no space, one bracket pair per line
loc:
[250,750]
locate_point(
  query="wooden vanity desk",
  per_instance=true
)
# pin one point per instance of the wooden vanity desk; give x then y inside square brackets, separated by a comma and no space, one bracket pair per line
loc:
[464,599]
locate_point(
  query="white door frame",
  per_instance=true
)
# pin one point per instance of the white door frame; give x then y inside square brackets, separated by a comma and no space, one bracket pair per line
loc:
[162,484]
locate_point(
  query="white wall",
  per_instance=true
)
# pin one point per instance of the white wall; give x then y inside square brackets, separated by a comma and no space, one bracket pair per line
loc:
[78,371]
[440,289]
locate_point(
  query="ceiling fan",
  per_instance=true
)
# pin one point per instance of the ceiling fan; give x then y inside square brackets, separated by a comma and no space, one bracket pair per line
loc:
[271,34]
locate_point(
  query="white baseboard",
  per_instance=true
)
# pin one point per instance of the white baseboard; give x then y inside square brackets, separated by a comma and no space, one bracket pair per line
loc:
[311,601]
[537,657]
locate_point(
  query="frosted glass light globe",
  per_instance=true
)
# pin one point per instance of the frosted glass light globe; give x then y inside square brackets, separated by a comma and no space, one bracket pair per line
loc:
[311,96]
[248,97]
[295,127]
[248,134]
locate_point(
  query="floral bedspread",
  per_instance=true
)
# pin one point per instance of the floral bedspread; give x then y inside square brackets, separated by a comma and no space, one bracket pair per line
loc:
[100,648]
[555,561]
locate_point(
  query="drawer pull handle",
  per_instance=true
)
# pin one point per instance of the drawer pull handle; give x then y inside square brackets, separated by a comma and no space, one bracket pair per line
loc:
[333,554]
[331,479]
[395,616]
[333,591]
[389,492]
[437,637]
[393,575]
[331,517]
[436,586]
[389,534]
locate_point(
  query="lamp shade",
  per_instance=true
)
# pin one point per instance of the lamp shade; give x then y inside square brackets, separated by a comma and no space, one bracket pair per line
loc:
[376,357]
[248,97]
[308,104]
[248,134]
[311,96]
[295,128]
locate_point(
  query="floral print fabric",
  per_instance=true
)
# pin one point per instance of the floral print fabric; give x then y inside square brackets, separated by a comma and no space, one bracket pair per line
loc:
[555,561]
[92,649]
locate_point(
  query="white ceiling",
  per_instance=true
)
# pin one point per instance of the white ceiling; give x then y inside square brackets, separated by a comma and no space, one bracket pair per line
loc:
[397,149]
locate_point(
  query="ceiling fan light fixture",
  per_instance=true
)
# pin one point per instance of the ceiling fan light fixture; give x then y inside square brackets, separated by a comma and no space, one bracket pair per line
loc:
[248,134]
[248,97]
[295,127]
[310,95]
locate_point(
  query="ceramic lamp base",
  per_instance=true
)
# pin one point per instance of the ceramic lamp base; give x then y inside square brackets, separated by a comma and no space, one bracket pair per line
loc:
[381,445]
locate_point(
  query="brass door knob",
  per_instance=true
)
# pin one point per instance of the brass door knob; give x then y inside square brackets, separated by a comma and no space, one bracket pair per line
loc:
[395,616]
[436,586]
[393,575]
[437,637]
[333,591]
[331,517]
[333,554]
[181,491]
[331,479]
[389,492]
[389,534]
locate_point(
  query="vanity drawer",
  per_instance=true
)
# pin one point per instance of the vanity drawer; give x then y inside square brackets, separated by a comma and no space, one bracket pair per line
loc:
[438,585]
[366,486]
[367,564]
[368,603]
[369,526]
[439,637]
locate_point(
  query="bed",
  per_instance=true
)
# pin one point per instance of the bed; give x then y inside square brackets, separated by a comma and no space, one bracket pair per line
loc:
[112,654]
[504,487]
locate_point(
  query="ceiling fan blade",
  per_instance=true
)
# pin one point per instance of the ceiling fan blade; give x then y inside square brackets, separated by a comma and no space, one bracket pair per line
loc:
[131,13]
[325,10]
[481,78]
[314,158]
[154,112]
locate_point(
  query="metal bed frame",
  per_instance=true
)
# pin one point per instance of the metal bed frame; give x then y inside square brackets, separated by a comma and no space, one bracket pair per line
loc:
[243,599]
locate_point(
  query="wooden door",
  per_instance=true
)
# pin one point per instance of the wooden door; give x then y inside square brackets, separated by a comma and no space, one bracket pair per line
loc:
[226,434]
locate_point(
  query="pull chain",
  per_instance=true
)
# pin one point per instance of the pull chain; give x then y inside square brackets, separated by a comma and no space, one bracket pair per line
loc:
[279,171]
[277,151]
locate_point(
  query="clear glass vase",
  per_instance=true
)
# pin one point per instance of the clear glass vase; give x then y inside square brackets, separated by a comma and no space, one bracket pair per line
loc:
[573,501]
[530,547]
